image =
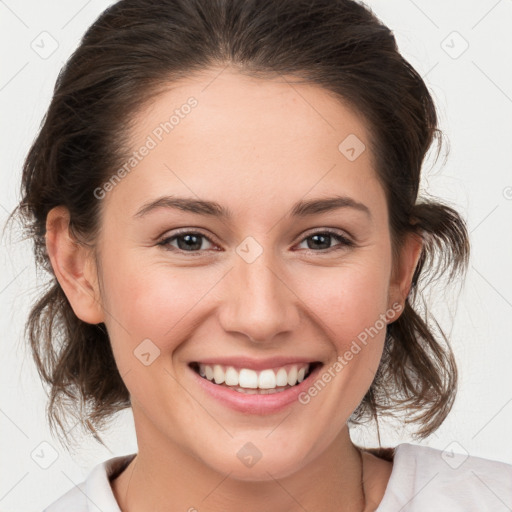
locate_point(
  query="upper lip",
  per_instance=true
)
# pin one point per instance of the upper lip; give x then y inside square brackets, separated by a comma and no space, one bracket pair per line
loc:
[255,364]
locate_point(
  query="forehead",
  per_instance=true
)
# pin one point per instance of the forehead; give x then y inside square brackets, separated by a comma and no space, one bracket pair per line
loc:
[221,131]
[245,110]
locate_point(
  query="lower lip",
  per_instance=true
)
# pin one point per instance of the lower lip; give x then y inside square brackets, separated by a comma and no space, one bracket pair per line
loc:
[256,404]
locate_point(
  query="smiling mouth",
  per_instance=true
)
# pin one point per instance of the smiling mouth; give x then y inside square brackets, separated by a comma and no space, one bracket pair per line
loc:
[264,382]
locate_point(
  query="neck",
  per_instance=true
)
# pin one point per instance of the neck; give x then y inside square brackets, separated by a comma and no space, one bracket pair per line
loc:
[164,477]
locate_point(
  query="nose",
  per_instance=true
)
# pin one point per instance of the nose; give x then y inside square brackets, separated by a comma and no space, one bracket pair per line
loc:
[259,302]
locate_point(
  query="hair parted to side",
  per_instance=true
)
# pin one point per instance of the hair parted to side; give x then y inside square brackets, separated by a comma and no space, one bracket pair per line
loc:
[138,46]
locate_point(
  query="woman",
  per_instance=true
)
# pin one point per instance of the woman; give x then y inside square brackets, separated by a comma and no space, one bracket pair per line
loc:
[226,194]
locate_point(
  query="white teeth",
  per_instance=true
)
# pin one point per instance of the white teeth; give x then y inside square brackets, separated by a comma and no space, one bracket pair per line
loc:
[281,377]
[250,380]
[267,380]
[218,374]
[292,376]
[231,376]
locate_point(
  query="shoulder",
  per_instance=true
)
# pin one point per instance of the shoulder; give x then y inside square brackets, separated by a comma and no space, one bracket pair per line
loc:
[95,492]
[424,478]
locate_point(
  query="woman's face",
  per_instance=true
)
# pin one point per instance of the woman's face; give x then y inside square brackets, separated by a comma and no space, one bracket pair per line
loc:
[248,273]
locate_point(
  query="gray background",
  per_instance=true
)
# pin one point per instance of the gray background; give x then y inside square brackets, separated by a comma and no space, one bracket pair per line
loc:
[473,90]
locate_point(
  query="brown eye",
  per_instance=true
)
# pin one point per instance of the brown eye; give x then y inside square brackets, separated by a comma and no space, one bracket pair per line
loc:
[321,241]
[185,242]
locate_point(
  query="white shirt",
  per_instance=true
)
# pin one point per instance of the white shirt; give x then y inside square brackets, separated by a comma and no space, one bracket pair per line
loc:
[422,479]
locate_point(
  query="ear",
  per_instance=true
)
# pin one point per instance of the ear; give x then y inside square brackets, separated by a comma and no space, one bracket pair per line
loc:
[74,267]
[403,270]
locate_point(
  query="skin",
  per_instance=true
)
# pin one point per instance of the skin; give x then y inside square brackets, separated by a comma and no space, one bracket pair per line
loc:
[256,147]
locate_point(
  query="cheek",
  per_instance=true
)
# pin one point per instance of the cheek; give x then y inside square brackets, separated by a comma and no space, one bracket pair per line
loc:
[350,299]
[347,302]
[163,303]
[153,301]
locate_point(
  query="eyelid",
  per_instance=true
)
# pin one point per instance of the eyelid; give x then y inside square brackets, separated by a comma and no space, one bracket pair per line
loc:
[345,240]
[184,231]
[332,231]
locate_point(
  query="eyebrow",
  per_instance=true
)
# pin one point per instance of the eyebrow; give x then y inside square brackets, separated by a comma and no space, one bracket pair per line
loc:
[211,208]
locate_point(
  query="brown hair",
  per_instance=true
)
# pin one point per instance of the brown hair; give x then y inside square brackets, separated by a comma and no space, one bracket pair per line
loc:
[137,46]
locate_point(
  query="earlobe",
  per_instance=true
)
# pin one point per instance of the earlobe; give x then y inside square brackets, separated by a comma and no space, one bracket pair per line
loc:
[73,267]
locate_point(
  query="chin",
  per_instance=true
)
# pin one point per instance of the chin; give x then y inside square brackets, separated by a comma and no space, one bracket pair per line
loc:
[260,461]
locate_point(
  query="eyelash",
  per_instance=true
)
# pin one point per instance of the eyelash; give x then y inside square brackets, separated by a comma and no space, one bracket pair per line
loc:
[345,242]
